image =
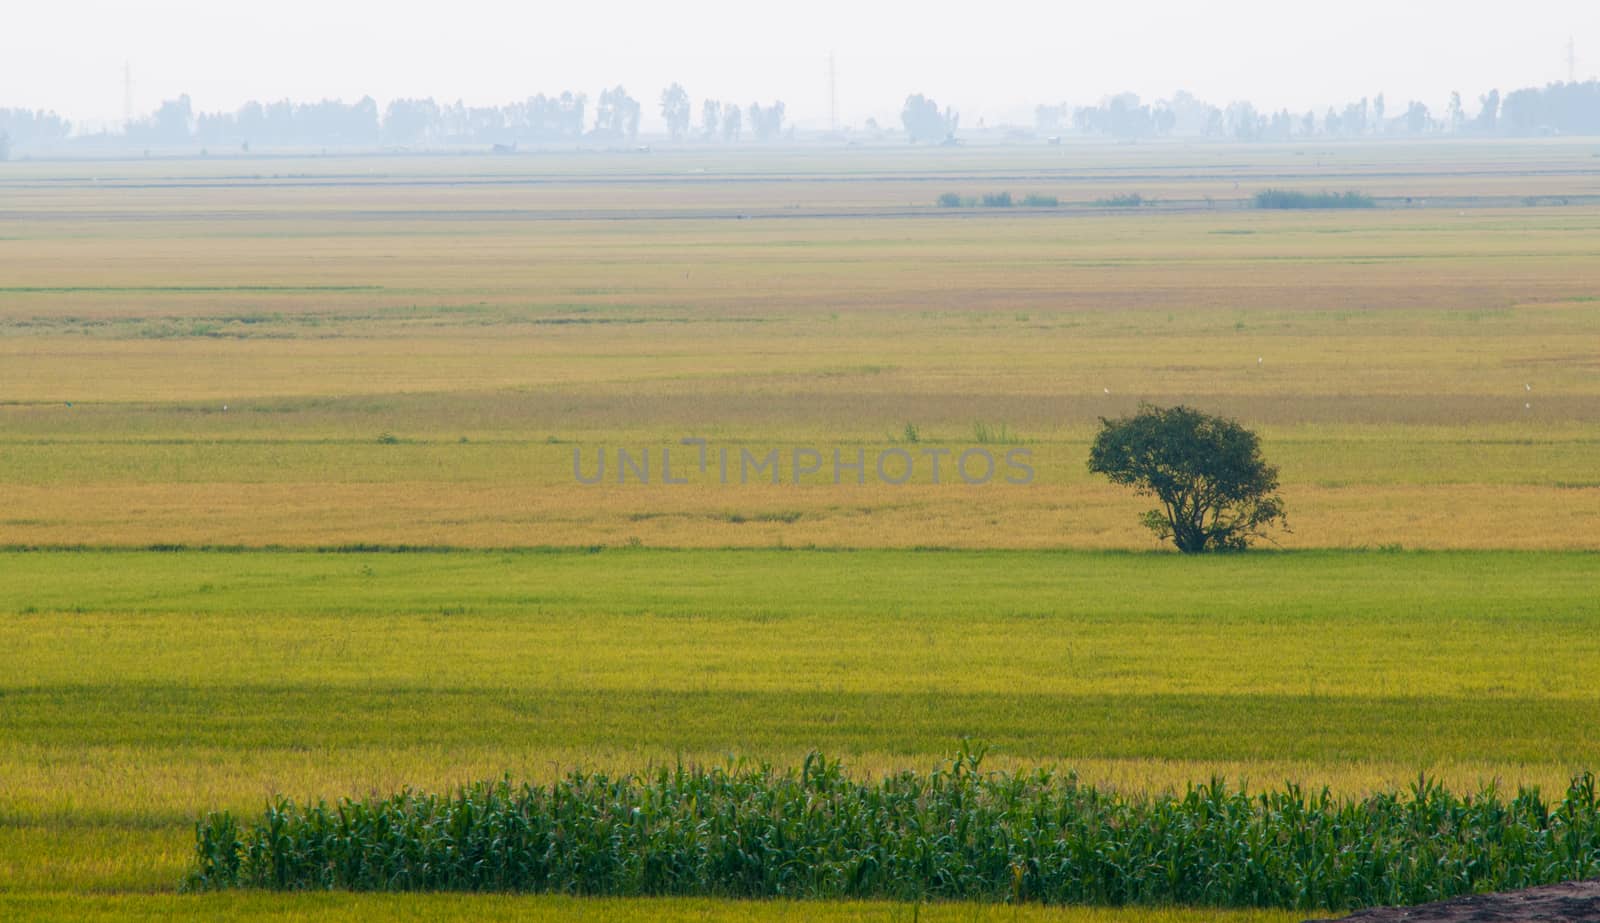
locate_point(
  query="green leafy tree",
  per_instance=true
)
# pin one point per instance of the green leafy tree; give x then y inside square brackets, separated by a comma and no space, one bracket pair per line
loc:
[1216,491]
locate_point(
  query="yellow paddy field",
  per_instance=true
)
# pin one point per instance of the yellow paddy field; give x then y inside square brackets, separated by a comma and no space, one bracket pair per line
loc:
[293,451]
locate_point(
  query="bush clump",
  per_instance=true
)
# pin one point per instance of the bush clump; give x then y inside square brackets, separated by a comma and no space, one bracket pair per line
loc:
[996,200]
[958,833]
[1288,198]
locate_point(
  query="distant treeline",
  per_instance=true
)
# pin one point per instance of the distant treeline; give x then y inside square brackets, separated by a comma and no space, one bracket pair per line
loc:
[23,126]
[568,117]
[1560,108]
[536,120]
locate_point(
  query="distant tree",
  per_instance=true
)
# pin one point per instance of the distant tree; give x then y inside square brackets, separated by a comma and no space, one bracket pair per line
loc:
[1243,122]
[172,123]
[924,122]
[1454,115]
[5,146]
[710,116]
[767,123]
[546,118]
[1191,116]
[1354,120]
[1281,126]
[1051,119]
[1417,119]
[1120,116]
[617,115]
[1521,113]
[217,128]
[250,122]
[331,122]
[1569,108]
[732,122]
[24,127]
[1377,114]
[1164,118]
[1216,491]
[1488,113]
[676,110]
[405,121]
[461,123]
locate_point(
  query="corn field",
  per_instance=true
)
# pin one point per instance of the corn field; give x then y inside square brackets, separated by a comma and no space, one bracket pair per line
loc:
[957,833]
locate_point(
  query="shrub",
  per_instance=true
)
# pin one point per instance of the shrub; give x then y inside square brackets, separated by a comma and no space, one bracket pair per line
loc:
[1127,200]
[950,200]
[997,200]
[1033,200]
[1286,198]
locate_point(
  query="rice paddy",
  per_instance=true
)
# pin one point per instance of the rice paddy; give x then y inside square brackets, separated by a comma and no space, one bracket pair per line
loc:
[215,375]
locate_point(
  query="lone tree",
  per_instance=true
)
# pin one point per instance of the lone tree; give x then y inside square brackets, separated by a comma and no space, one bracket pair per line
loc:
[1216,492]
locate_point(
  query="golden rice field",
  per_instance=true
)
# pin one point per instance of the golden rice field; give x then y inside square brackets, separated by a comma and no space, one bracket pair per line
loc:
[1425,376]
[269,357]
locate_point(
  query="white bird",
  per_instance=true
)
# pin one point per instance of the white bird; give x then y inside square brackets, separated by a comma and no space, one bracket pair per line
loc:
[1258,360]
[1527,406]
[224,408]
[1108,390]
[1527,387]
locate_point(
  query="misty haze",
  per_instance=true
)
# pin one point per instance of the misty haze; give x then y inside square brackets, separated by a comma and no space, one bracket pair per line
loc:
[725,462]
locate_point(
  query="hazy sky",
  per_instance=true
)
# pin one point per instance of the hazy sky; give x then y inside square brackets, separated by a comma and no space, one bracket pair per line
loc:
[991,60]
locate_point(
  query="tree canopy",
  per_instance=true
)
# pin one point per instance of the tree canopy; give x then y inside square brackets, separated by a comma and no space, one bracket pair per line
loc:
[924,122]
[1216,491]
[675,110]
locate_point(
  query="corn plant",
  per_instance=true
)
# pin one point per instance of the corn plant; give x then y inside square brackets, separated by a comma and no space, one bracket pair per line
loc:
[956,833]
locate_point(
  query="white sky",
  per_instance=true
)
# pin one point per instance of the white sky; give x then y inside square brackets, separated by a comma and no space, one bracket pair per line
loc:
[991,60]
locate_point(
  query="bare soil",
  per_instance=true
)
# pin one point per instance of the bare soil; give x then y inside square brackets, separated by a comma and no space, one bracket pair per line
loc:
[1568,902]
